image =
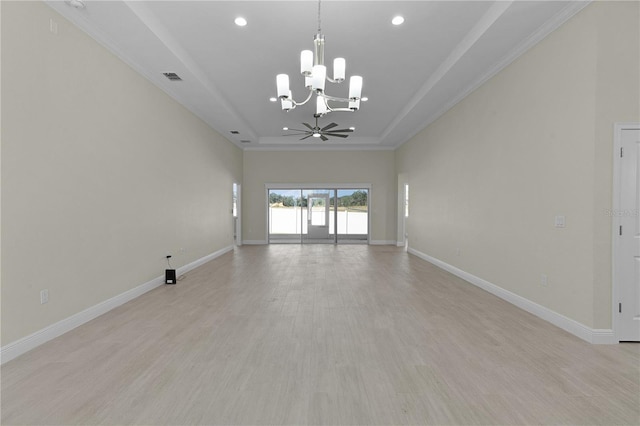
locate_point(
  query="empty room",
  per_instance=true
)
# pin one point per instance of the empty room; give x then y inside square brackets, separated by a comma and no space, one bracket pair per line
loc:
[320,212]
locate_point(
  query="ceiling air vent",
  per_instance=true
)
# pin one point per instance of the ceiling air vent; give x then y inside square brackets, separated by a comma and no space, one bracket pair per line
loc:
[172,76]
[245,141]
[235,132]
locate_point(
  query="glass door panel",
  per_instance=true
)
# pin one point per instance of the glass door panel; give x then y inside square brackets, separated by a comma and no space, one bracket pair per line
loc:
[285,216]
[317,216]
[353,215]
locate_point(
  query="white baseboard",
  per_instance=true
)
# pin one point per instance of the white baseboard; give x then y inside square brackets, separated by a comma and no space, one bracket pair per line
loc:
[254,242]
[19,347]
[199,262]
[382,243]
[400,244]
[597,336]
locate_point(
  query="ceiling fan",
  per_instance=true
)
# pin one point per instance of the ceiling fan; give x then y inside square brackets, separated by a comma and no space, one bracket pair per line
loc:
[322,133]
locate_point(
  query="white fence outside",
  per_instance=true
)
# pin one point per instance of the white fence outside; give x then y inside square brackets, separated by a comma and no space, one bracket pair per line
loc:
[287,220]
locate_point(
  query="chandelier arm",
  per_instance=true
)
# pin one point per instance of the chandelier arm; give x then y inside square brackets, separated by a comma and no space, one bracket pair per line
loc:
[341,109]
[329,79]
[333,98]
[303,102]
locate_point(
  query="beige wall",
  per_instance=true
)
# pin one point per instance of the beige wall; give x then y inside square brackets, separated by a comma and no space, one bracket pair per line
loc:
[535,141]
[367,167]
[102,174]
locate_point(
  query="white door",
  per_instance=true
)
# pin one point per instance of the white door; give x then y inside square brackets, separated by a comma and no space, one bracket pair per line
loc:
[628,253]
[235,211]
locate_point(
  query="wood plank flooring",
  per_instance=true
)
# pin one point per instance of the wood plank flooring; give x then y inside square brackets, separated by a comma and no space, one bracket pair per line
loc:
[323,334]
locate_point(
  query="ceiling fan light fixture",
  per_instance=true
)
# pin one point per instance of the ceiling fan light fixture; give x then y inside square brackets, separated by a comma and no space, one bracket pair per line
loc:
[324,133]
[240,21]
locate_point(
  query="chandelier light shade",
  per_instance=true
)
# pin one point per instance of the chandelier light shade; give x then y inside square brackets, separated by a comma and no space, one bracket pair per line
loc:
[315,75]
[321,106]
[355,88]
[287,104]
[319,75]
[282,80]
[306,62]
[339,66]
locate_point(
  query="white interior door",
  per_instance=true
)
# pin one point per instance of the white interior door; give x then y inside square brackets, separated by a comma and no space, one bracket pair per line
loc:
[235,210]
[628,253]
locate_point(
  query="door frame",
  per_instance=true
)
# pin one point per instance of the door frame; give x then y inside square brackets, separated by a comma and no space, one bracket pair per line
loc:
[618,128]
[303,186]
[238,218]
[401,231]
[327,208]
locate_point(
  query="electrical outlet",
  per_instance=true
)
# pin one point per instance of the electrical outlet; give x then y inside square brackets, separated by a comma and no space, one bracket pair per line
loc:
[544,281]
[44,296]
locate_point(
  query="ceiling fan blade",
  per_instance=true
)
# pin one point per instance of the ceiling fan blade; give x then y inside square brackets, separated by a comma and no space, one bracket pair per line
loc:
[328,126]
[308,125]
[296,134]
[299,130]
[342,130]
[324,138]
[338,135]
[308,136]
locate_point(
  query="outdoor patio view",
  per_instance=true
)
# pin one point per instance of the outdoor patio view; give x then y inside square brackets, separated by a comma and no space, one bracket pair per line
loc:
[311,215]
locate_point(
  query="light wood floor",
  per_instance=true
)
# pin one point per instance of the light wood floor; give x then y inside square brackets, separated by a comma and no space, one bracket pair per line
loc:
[323,334]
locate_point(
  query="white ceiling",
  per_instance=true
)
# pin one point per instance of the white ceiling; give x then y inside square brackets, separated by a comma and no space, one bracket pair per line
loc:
[412,73]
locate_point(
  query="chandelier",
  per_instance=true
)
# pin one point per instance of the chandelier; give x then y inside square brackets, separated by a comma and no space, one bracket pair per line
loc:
[314,71]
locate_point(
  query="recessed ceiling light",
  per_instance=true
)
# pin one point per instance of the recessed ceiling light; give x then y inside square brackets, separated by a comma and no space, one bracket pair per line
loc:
[365,99]
[285,128]
[78,4]
[240,21]
[397,20]
[272,99]
[352,128]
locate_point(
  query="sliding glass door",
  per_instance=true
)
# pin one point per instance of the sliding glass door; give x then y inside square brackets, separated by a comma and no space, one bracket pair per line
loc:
[318,215]
[353,215]
[285,216]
